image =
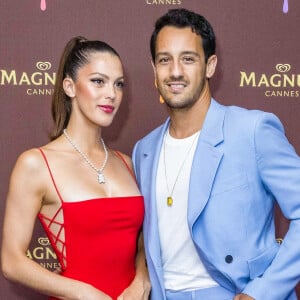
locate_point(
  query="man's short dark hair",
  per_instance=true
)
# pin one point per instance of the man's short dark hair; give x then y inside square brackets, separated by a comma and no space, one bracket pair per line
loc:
[182,18]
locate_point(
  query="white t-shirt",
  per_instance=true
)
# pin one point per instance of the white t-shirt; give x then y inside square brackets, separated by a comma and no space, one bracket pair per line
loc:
[183,269]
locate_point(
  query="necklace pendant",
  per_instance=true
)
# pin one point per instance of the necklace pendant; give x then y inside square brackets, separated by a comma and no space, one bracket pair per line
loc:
[101,178]
[169,201]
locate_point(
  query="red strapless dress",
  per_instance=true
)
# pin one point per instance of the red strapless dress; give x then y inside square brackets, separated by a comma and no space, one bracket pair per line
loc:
[97,241]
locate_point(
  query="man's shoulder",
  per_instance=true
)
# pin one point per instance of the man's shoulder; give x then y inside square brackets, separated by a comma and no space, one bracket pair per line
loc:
[243,119]
[242,114]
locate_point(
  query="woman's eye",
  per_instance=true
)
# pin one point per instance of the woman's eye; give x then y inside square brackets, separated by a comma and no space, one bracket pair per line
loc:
[98,81]
[120,84]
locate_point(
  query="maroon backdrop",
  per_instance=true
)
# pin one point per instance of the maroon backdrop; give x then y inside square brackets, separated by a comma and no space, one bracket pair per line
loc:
[257,45]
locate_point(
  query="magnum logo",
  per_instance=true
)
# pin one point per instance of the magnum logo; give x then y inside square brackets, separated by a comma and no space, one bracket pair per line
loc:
[39,83]
[44,254]
[283,68]
[283,83]
[43,66]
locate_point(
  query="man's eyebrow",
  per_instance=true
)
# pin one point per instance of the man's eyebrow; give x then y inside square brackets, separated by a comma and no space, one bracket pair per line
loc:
[162,53]
[182,53]
[190,53]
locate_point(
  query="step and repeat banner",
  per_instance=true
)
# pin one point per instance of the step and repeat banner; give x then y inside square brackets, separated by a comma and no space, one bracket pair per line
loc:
[258,47]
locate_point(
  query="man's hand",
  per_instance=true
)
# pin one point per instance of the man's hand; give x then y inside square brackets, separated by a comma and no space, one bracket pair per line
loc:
[243,297]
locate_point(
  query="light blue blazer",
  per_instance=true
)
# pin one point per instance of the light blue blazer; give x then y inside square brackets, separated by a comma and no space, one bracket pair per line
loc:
[243,163]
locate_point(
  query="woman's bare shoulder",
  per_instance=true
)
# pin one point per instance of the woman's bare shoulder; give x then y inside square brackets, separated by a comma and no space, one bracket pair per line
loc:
[33,159]
[125,157]
[30,160]
[28,175]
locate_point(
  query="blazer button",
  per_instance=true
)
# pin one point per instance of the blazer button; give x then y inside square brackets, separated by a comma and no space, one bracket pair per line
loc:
[229,259]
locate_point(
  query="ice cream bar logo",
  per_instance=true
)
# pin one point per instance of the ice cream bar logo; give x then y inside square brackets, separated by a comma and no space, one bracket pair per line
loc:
[281,83]
[285,7]
[42,253]
[37,83]
[43,5]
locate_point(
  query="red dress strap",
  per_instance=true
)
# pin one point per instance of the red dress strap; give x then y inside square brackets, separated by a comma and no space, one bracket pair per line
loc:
[51,175]
[125,163]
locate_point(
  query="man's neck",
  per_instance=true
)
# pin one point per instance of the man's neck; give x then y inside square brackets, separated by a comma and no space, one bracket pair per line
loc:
[186,122]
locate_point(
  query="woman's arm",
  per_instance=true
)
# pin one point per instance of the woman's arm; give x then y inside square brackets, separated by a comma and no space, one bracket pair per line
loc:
[25,198]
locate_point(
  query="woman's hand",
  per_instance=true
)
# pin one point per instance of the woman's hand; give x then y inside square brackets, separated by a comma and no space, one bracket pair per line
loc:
[88,292]
[138,290]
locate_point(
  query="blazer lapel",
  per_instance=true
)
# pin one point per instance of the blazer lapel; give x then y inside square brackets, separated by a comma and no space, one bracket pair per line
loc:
[148,185]
[206,161]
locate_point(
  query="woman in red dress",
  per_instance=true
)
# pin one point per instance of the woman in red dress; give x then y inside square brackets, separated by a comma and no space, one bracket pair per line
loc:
[84,194]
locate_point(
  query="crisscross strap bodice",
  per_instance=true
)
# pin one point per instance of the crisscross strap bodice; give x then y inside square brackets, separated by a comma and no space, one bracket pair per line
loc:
[54,228]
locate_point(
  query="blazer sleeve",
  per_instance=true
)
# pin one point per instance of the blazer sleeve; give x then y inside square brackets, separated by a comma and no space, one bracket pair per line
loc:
[279,168]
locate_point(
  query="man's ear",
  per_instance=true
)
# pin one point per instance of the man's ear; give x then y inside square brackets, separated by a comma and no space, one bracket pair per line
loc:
[154,70]
[211,66]
[161,99]
[69,87]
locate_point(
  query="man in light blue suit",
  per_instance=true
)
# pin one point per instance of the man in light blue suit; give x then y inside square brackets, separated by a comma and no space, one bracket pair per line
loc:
[210,176]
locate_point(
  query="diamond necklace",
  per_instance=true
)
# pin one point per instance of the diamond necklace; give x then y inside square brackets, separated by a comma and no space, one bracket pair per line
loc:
[101,178]
[170,197]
